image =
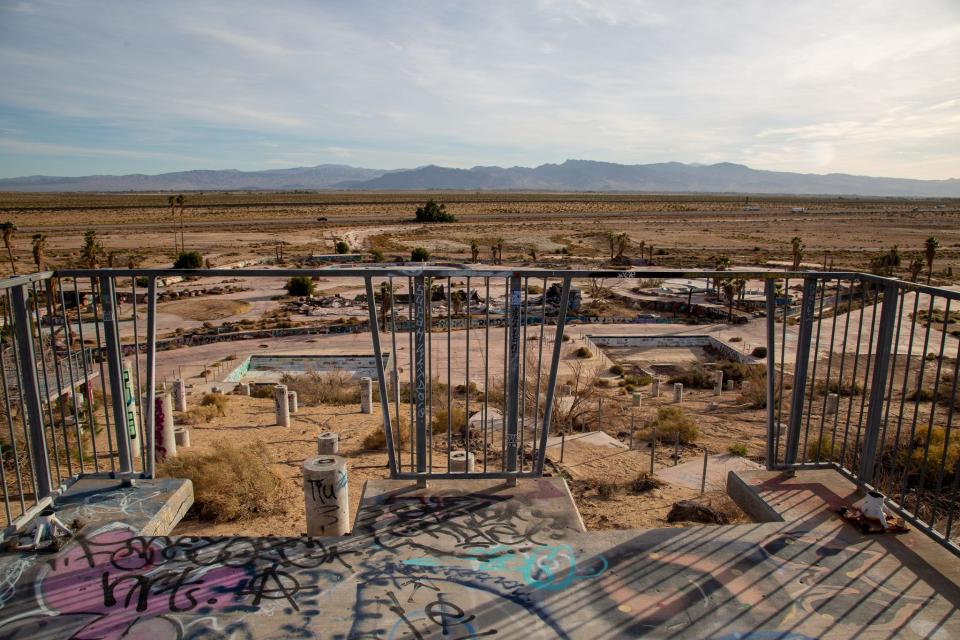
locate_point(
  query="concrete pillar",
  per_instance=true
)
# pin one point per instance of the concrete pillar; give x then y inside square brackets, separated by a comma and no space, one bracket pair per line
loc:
[133,414]
[182,436]
[729,384]
[461,462]
[325,496]
[179,395]
[328,443]
[281,405]
[292,401]
[366,395]
[718,383]
[245,389]
[832,404]
[678,392]
[637,400]
[164,438]
[655,391]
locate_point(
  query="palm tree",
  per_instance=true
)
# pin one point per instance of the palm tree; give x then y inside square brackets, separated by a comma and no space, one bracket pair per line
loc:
[38,246]
[180,202]
[172,201]
[8,229]
[722,264]
[730,292]
[796,251]
[643,244]
[930,246]
[499,245]
[92,250]
[915,267]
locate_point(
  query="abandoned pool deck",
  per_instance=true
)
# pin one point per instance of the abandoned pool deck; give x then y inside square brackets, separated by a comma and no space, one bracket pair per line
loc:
[476,558]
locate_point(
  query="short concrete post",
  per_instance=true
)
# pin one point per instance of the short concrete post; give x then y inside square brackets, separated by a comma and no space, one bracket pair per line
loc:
[718,383]
[293,406]
[461,462]
[366,395]
[328,443]
[325,496]
[729,385]
[182,436]
[655,391]
[281,405]
[163,429]
[637,400]
[678,392]
[245,389]
[832,404]
[566,390]
[179,395]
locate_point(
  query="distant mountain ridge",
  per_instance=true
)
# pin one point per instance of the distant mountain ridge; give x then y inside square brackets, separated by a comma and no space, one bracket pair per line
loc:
[572,175]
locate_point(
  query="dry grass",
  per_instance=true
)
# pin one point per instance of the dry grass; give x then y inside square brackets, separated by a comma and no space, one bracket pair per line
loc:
[230,483]
[333,388]
[671,421]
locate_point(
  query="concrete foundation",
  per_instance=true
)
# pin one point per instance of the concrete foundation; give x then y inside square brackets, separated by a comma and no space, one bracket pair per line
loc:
[292,403]
[281,405]
[326,496]
[461,462]
[366,395]
[328,443]
[678,392]
[179,395]
[182,436]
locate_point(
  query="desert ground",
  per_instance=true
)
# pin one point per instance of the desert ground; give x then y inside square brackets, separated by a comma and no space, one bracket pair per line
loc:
[270,230]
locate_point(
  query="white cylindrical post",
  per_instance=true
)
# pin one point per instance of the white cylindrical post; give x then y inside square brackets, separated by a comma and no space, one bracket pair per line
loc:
[292,401]
[461,462]
[655,392]
[366,395]
[678,392]
[328,443]
[718,383]
[182,436]
[325,496]
[833,404]
[281,405]
[179,395]
[729,385]
[166,443]
[245,389]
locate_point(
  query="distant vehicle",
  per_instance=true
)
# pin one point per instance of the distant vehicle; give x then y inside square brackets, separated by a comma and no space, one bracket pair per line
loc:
[752,207]
[321,219]
[798,210]
[648,316]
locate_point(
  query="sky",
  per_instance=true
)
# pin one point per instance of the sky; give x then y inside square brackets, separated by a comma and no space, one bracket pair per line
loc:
[91,87]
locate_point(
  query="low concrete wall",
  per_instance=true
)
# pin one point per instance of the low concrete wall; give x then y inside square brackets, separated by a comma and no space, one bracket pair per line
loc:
[726,351]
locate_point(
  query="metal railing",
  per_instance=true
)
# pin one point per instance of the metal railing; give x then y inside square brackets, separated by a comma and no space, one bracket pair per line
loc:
[474,361]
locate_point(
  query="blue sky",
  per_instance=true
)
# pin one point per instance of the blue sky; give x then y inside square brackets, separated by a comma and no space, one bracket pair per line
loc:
[868,87]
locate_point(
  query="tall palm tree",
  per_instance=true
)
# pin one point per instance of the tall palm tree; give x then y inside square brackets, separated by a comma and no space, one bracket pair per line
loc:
[730,292]
[92,250]
[930,247]
[796,251]
[8,228]
[180,202]
[172,201]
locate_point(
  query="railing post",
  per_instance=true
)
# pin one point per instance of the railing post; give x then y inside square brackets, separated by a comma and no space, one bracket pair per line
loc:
[804,336]
[381,377]
[512,387]
[554,367]
[770,286]
[419,374]
[878,384]
[115,371]
[30,391]
[151,409]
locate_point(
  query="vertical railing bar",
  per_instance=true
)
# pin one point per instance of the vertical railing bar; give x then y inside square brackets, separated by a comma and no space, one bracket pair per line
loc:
[916,406]
[536,409]
[485,414]
[843,364]
[771,307]
[18,372]
[30,393]
[853,376]
[111,337]
[449,377]
[381,376]
[68,342]
[933,403]
[800,368]
[951,400]
[783,365]
[822,286]
[150,414]
[955,485]
[412,387]
[507,319]
[6,493]
[45,397]
[513,382]
[138,394]
[88,399]
[879,383]
[826,393]
[522,391]
[906,380]
[428,297]
[9,410]
[466,382]
[871,364]
[101,353]
[888,398]
[554,368]
[396,373]
[59,378]
[419,395]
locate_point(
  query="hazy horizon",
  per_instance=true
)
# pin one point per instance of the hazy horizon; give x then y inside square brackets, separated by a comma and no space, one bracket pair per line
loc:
[862,88]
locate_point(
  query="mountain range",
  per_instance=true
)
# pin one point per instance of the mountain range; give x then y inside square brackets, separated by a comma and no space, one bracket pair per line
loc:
[572,175]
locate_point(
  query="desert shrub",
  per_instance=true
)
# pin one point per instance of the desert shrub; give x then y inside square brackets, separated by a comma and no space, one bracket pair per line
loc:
[737,371]
[696,378]
[924,458]
[607,490]
[230,482]
[759,352]
[341,247]
[332,387]
[433,212]
[216,400]
[821,449]
[534,289]
[188,260]
[844,388]
[672,420]
[456,415]
[616,370]
[376,255]
[645,482]
[300,286]
[566,338]
[198,415]
[922,394]
[737,449]
[583,352]
[376,440]
[261,391]
[419,255]
[736,339]
[463,389]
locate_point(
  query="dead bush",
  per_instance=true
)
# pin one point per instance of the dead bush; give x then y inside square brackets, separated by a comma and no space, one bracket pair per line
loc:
[333,387]
[199,415]
[644,483]
[230,483]
[671,421]
[216,400]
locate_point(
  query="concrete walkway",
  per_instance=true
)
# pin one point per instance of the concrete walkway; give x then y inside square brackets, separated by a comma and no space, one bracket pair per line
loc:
[478,559]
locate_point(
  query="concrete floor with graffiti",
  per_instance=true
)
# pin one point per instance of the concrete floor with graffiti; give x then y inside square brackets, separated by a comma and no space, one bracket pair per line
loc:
[477,559]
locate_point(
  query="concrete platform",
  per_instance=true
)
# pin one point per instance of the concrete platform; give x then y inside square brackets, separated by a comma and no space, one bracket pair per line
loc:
[462,560]
[149,507]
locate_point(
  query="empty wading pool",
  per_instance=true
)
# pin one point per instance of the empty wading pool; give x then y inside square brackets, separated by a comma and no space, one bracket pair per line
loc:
[264,369]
